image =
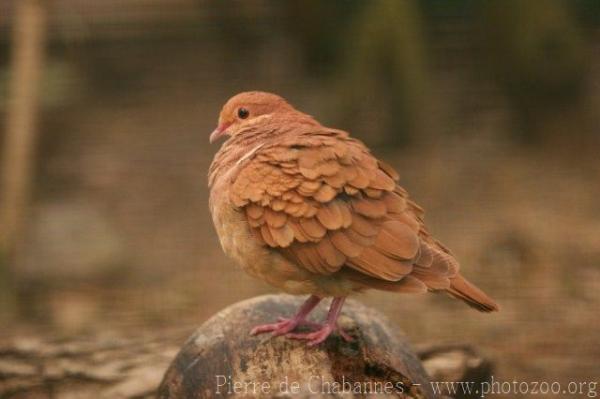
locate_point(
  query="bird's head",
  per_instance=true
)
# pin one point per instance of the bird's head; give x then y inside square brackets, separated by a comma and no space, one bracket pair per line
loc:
[244,108]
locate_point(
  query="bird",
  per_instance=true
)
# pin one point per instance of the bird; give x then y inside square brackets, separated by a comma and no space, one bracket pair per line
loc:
[311,211]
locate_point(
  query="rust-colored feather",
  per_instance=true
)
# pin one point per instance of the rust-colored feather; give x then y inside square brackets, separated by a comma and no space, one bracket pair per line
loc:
[394,203]
[425,258]
[389,170]
[361,179]
[330,215]
[325,194]
[364,226]
[376,264]
[397,241]
[274,219]
[309,187]
[299,233]
[345,245]
[312,228]
[382,181]
[266,236]
[283,236]
[254,211]
[369,207]
[333,257]
[359,239]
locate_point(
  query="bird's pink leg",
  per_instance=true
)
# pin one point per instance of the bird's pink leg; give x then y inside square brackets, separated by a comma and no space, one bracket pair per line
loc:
[284,326]
[316,337]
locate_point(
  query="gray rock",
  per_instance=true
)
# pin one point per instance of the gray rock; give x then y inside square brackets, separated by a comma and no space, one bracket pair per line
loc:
[221,359]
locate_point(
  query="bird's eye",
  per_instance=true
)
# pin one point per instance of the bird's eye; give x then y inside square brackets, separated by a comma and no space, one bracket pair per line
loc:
[243,113]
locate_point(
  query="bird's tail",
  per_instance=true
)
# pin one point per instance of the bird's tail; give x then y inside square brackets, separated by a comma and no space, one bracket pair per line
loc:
[462,289]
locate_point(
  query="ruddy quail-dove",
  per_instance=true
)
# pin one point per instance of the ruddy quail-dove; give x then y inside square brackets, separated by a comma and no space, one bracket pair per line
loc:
[310,210]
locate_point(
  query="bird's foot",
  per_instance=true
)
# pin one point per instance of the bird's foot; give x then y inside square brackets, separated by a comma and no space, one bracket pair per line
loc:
[320,335]
[321,331]
[318,326]
[283,326]
[304,323]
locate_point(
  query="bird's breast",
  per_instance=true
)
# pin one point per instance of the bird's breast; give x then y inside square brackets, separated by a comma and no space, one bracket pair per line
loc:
[268,264]
[239,243]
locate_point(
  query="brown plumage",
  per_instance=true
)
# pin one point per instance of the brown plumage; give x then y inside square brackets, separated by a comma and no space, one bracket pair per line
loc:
[310,210]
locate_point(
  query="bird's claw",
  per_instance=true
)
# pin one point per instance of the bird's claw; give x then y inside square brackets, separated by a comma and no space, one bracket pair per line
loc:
[283,326]
[305,323]
[347,337]
[315,337]
[317,326]
[320,335]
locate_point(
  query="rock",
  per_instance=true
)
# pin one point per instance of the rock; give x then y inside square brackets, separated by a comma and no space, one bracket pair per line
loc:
[455,363]
[222,359]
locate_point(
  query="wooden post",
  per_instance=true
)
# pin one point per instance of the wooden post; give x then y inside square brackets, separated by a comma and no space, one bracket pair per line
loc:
[28,41]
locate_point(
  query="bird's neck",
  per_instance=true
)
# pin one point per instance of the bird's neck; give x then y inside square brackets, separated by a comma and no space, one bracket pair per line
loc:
[244,142]
[232,151]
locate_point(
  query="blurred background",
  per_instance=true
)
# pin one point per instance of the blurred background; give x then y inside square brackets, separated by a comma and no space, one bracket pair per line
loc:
[488,109]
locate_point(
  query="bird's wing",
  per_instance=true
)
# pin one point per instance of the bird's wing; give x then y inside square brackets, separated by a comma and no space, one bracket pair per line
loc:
[325,202]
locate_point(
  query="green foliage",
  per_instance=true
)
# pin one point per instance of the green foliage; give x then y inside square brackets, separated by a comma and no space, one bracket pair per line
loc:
[386,58]
[321,30]
[588,11]
[537,52]
[540,52]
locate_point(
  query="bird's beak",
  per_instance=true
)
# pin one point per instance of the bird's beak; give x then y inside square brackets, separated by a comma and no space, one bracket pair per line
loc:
[219,132]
